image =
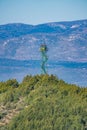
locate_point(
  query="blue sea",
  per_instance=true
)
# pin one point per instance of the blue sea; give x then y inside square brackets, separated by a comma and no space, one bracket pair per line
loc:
[70,72]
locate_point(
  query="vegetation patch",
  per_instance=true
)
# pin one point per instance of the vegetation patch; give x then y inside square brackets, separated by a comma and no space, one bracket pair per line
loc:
[42,102]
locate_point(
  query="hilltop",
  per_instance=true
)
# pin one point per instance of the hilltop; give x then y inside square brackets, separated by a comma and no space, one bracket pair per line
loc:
[42,102]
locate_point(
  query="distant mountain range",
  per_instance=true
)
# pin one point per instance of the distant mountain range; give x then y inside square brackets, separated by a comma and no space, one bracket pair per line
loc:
[66,41]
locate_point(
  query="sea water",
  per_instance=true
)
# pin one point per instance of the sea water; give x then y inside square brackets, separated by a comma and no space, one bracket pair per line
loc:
[70,72]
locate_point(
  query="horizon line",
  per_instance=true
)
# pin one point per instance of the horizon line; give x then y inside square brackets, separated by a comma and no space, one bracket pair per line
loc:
[43,22]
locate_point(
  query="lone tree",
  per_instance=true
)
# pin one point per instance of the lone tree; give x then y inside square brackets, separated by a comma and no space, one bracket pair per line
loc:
[43,50]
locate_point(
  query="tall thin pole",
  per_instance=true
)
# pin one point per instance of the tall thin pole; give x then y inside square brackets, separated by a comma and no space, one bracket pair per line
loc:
[43,50]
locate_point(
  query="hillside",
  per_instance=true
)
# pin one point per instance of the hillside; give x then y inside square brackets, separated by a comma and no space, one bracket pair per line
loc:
[42,102]
[66,41]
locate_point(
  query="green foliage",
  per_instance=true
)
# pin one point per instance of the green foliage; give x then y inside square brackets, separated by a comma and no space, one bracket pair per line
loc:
[12,82]
[9,84]
[47,104]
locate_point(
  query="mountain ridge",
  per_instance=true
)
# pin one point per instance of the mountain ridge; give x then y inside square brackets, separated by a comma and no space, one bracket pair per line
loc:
[65,40]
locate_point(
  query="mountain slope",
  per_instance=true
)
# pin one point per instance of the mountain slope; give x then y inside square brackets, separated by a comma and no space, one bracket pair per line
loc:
[42,102]
[66,41]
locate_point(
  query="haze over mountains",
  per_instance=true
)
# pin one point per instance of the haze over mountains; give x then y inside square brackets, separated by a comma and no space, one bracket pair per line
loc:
[66,41]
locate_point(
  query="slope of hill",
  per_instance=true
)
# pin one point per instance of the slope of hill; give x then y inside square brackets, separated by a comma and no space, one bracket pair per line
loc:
[66,41]
[42,102]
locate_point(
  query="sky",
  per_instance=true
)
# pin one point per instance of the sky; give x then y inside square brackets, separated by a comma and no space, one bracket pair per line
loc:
[41,11]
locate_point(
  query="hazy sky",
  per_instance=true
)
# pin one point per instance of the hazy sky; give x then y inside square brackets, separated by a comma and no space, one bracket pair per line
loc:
[41,11]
